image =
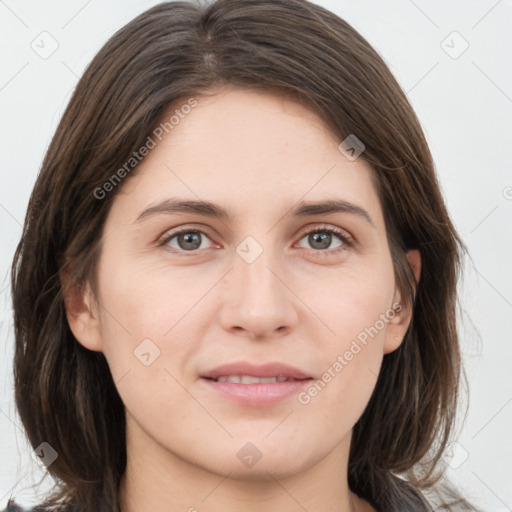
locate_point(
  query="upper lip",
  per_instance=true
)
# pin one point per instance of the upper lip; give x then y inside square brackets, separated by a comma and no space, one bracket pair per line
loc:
[273,369]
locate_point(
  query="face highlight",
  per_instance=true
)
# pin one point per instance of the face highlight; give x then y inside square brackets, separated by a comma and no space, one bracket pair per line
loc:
[245,238]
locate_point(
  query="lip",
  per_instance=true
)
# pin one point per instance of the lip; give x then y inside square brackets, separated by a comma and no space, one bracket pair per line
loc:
[273,369]
[257,394]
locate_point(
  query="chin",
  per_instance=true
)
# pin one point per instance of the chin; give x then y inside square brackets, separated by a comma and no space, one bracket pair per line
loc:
[259,472]
[261,461]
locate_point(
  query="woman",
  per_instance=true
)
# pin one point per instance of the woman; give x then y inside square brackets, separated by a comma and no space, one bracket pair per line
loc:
[236,284]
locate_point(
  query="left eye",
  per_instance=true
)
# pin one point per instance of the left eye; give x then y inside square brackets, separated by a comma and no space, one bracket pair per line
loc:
[322,239]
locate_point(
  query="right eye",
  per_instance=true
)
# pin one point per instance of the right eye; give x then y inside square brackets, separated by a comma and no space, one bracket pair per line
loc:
[185,240]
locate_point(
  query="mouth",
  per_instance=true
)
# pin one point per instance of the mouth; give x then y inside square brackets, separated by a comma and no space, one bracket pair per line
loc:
[245,371]
[251,385]
[250,379]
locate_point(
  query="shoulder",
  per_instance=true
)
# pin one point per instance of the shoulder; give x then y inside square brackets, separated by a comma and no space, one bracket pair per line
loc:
[12,506]
[445,496]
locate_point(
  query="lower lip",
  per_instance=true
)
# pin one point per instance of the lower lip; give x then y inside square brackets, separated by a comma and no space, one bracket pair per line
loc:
[258,394]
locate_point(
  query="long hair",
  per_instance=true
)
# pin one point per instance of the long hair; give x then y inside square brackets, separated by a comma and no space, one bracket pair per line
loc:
[65,394]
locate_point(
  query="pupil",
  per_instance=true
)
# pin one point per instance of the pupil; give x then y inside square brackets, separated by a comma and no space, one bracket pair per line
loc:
[191,241]
[324,240]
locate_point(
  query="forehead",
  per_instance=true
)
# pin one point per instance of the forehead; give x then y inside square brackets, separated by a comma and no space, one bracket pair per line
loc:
[248,149]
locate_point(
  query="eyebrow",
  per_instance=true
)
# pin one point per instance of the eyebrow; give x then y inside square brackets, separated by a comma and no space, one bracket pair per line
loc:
[209,209]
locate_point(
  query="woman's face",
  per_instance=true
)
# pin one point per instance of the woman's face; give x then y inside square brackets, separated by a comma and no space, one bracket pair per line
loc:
[266,288]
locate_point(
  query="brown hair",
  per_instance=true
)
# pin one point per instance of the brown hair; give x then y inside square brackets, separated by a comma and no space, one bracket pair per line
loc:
[65,394]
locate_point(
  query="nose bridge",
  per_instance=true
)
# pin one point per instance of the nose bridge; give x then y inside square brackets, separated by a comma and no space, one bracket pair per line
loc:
[257,301]
[258,282]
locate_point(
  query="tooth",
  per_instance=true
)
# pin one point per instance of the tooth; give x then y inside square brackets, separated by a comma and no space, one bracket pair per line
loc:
[247,379]
[229,378]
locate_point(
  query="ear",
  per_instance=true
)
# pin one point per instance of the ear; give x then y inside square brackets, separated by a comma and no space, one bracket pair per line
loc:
[81,313]
[401,317]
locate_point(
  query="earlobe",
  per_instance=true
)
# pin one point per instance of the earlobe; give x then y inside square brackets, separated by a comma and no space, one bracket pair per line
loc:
[396,328]
[82,313]
[402,314]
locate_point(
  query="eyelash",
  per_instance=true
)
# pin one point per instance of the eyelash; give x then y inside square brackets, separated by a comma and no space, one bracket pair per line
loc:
[347,240]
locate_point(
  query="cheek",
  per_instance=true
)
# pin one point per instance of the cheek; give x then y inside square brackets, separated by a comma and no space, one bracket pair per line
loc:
[147,299]
[148,337]
[153,320]
[350,365]
[351,303]
[356,309]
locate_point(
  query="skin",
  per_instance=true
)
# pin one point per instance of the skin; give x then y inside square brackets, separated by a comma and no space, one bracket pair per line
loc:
[257,155]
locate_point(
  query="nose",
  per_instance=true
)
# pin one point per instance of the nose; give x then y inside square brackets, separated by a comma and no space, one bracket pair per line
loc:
[257,299]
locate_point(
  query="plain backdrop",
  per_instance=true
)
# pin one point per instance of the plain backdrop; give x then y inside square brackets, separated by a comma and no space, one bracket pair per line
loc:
[453,60]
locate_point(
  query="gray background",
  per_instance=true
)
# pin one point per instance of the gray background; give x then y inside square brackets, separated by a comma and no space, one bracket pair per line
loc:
[464,102]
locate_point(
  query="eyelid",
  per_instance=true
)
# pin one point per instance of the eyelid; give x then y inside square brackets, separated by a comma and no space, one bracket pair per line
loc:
[342,233]
[171,233]
[347,239]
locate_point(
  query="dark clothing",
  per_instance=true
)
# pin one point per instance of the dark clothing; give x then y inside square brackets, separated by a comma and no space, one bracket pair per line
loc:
[12,506]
